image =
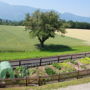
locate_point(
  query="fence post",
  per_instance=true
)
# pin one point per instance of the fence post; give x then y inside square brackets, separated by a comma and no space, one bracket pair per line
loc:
[59,77]
[26,81]
[85,54]
[78,74]
[58,59]
[39,81]
[40,61]
[19,63]
[71,57]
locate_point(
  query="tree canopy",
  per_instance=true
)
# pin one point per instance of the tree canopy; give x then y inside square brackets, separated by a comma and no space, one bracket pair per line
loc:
[43,25]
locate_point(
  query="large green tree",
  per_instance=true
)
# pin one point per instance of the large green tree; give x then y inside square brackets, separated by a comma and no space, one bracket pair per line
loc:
[43,25]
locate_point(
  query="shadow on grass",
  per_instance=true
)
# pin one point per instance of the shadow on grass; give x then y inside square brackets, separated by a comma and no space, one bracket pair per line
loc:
[55,48]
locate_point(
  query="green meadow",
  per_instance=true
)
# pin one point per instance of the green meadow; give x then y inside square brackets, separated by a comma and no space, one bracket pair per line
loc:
[16,43]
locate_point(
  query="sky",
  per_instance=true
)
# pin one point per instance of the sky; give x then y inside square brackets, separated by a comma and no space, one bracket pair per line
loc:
[78,7]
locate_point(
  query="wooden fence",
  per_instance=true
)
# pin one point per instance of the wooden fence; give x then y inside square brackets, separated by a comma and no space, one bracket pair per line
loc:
[41,80]
[47,60]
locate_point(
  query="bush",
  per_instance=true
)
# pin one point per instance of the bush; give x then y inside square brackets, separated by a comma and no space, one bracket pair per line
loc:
[85,60]
[73,62]
[50,71]
[67,67]
[21,72]
[57,66]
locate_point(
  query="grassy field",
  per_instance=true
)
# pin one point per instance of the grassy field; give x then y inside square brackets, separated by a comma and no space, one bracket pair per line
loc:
[15,43]
[80,34]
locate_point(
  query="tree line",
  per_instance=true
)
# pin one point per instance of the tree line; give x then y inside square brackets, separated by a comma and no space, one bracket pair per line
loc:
[77,25]
[69,24]
[9,22]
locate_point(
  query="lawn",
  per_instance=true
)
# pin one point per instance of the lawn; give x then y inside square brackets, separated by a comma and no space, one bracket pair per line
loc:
[16,43]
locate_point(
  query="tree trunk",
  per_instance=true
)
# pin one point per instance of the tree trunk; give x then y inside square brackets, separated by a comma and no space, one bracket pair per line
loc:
[42,40]
[42,44]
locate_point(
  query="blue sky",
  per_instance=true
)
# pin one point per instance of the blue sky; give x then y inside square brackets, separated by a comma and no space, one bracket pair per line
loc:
[78,7]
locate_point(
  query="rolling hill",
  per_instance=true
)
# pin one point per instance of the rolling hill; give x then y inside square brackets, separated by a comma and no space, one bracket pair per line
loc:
[69,16]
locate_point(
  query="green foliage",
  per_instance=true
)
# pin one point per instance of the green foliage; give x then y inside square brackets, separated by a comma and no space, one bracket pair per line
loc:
[65,67]
[21,72]
[50,71]
[79,25]
[85,60]
[57,65]
[9,22]
[74,62]
[32,71]
[43,25]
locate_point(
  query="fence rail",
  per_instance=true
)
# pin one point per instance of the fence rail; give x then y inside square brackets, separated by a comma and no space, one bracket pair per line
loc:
[41,80]
[47,60]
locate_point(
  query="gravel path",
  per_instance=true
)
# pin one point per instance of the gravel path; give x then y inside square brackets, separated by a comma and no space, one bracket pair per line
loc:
[77,87]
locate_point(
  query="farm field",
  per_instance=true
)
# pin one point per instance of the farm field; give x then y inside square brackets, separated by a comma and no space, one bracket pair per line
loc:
[15,43]
[83,34]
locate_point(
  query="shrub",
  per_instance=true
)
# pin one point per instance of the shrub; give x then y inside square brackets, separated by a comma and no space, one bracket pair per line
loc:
[57,66]
[21,72]
[67,67]
[50,71]
[73,62]
[85,60]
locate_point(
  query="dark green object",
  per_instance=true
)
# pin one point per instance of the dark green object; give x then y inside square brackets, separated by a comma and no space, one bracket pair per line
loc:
[6,70]
[21,72]
[50,71]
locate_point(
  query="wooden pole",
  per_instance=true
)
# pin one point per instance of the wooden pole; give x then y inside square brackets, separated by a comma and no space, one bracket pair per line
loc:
[59,77]
[26,81]
[19,63]
[40,61]
[39,81]
[58,59]
[78,72]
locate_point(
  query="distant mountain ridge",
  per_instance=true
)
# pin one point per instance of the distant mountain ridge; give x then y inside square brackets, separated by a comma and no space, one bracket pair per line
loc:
[73,17]
[18,12]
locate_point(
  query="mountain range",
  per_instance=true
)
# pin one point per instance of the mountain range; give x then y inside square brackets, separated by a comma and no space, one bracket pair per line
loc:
[17,13]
